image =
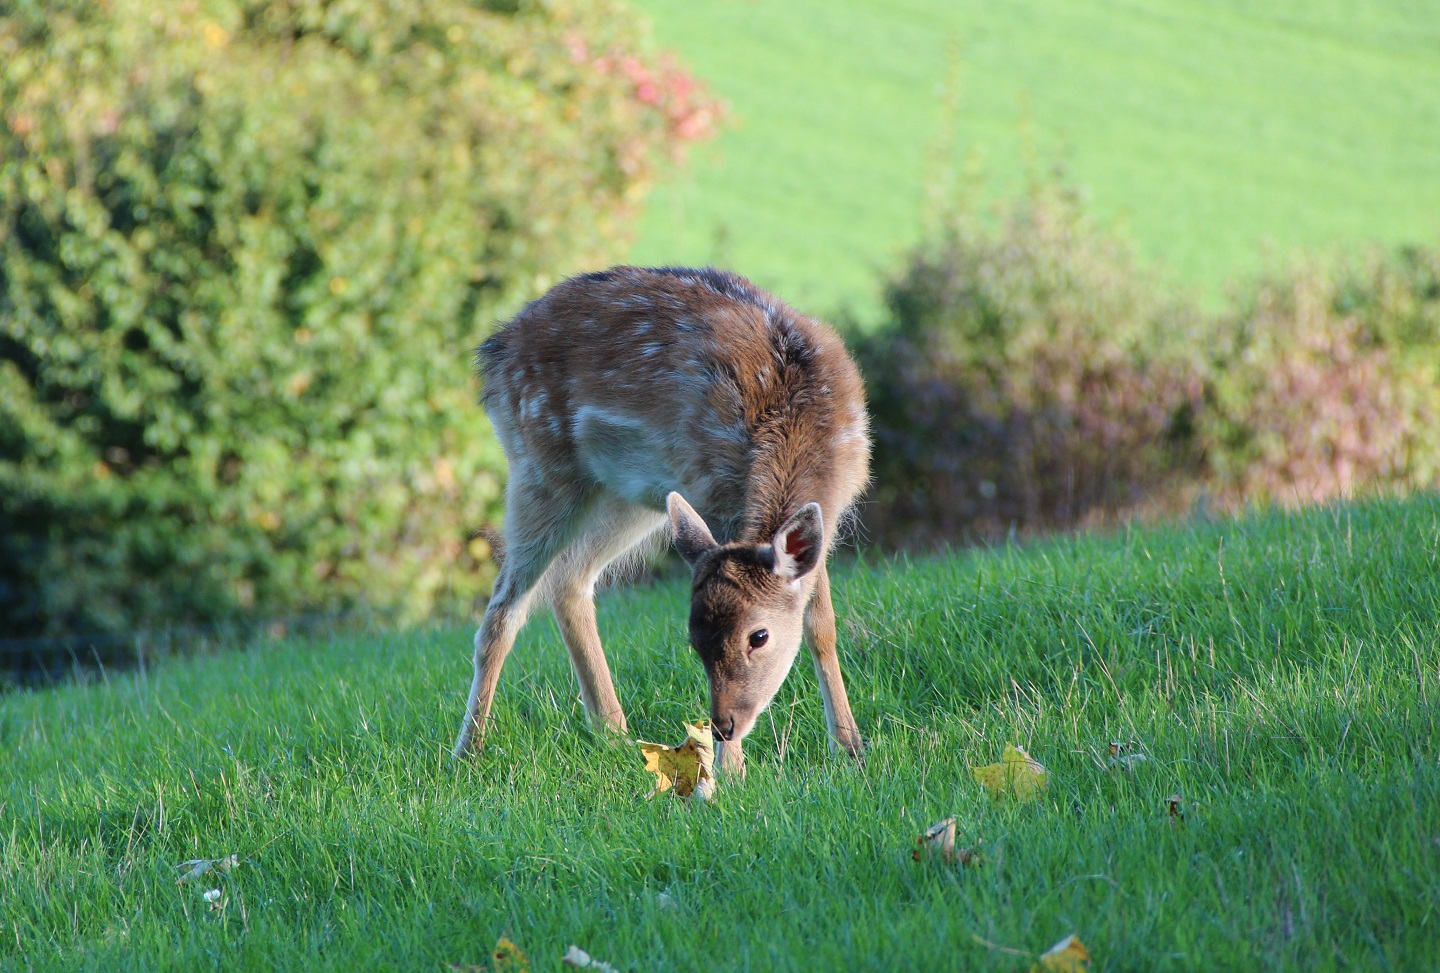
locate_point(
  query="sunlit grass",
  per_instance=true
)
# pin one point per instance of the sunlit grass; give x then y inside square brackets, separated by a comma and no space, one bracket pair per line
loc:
[1216,135]
[1279,672]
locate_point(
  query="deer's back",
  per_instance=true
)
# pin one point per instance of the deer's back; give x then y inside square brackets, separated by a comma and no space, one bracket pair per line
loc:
[645,381]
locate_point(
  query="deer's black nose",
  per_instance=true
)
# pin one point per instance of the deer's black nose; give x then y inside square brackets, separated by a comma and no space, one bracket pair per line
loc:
[723,728]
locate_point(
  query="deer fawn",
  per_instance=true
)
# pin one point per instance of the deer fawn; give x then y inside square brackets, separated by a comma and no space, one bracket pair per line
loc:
[621,395]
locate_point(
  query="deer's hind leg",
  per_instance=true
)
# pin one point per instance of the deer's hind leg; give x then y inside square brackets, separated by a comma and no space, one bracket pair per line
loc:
[541,523]
[613,529]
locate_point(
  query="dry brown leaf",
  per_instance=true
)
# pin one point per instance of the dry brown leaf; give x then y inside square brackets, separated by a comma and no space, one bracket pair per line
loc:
[1176,803]
[938,841]
[688,768]
[1017,775]
[1120,759]
[1069,955]
[581,960]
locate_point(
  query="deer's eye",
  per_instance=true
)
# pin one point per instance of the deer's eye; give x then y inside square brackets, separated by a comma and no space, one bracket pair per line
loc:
[758,638]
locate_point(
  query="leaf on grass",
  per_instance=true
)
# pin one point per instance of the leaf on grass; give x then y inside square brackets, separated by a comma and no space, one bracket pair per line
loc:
[938,841]
[506,957]
[581,960]
[198,868]
[1176,803]
[1069,955]
[688,768]
[1121,760]
[1016,775]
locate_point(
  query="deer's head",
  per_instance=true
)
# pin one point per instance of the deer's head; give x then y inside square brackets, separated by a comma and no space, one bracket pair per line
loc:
[747,610]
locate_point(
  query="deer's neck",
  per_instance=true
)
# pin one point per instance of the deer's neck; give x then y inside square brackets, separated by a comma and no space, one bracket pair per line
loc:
[781,481]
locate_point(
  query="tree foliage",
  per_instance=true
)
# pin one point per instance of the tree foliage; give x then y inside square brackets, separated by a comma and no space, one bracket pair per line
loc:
[245,249]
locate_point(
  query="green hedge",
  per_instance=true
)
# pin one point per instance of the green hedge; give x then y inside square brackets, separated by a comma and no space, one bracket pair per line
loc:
[245,251]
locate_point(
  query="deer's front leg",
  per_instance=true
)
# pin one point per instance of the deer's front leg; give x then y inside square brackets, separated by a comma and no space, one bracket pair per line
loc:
[820,635]
[575,613]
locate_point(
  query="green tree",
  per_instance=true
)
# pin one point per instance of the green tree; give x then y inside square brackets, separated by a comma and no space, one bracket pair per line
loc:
[245,250]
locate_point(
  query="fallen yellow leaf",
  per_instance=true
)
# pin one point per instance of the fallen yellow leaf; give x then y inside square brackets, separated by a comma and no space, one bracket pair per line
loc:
[1016,775]
[1069,955]
[506,957]
[688,768]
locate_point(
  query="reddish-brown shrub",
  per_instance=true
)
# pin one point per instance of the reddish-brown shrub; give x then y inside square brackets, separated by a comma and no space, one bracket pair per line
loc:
[1028,379]
[1325,384]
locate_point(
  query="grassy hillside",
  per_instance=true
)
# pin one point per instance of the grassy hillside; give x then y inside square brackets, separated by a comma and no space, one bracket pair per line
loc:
[1218,134]
[1280,673]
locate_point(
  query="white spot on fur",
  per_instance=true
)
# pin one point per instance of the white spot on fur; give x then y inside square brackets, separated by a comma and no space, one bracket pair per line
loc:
[853,433]
[531,405]
[624,452]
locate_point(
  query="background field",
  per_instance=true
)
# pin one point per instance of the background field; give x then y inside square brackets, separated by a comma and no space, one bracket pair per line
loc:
[1280,673]
[1217,134]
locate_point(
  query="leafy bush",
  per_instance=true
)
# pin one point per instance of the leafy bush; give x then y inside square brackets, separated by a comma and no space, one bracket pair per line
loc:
[1327,382]
[1028,378]
[245,248]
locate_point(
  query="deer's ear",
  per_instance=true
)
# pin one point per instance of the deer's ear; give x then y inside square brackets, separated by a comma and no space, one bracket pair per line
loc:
[692,537]
[799,543]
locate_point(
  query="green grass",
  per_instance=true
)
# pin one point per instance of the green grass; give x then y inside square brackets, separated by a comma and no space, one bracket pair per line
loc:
[1217,134]
[1280,672]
